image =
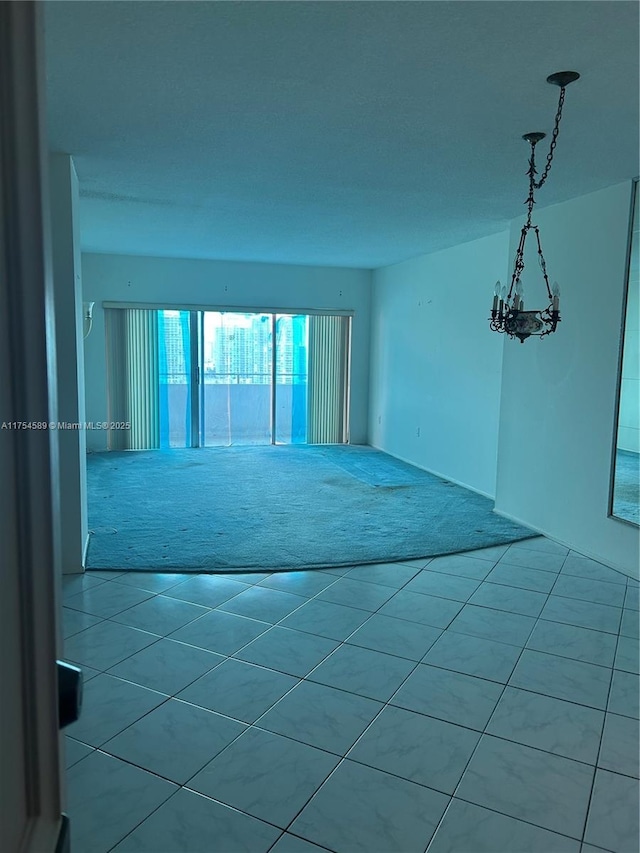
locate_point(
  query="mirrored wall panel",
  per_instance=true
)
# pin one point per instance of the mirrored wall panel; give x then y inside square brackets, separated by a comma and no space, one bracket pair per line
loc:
[625,497]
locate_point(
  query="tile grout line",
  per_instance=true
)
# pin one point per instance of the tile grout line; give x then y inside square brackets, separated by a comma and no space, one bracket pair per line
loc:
[484,731]
[341,644]
[604,723]
[254,724]
[388,703]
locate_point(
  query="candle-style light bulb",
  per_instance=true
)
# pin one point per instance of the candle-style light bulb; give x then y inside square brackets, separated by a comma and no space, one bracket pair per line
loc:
[496,295]
[502,296]
[555,290]
[518,286]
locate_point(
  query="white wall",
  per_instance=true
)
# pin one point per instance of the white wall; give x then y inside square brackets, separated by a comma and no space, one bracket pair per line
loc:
[123,278]
[67,284]
[559,393]
[543,419]
[435,364]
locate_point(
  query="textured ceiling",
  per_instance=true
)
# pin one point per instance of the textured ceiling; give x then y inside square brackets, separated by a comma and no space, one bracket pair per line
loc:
[352,134]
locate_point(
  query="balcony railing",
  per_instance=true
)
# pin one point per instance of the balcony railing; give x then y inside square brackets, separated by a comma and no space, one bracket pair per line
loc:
[211,378]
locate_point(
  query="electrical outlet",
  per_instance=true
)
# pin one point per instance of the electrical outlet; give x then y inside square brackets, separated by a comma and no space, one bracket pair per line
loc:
[418,432]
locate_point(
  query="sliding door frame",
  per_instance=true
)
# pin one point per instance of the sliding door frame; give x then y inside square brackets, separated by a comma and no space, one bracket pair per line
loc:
[274,376]
[195,404]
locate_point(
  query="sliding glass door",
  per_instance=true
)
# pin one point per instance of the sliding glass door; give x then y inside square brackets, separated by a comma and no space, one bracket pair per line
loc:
[218,378]
[237,378]
[290,378]
[176,380]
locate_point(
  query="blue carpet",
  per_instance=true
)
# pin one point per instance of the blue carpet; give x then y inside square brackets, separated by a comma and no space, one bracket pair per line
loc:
[238,508]
[626,490]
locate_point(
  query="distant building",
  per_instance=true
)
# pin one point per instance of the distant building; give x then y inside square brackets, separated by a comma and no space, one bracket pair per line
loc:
[173,327]
[242,354]
[234,353]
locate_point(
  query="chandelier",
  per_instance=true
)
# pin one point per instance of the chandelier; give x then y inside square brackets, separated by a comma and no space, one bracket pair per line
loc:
[507,313]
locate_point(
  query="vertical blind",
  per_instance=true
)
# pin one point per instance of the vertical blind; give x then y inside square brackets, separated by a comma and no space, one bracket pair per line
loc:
[328,348]
[133,378]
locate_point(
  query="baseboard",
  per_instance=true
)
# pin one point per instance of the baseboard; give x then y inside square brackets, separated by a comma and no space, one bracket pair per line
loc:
[435,473]
[586,552]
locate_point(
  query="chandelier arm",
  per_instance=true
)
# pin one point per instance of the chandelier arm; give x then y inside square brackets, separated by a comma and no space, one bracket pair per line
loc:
[554,140]
[543,263]
[551,326]
[519,262]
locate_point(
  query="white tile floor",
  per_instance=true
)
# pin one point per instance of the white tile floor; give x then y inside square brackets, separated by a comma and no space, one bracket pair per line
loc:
[477,703]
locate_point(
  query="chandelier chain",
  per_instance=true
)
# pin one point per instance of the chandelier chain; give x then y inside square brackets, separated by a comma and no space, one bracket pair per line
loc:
[535,185]
[554,140]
